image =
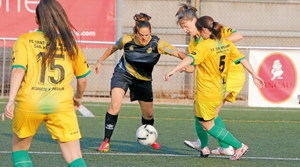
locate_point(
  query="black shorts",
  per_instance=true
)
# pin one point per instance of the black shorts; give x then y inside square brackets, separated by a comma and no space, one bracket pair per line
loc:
[139,89]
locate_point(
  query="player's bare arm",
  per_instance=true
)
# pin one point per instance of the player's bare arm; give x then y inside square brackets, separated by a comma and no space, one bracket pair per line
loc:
[17,76]
[107,53]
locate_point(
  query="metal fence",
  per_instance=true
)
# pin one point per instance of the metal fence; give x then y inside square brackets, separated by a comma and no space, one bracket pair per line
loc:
[263,24]
[181,86]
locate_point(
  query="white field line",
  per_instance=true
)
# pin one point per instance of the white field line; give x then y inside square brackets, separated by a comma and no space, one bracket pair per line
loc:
[191,107]
[160,155]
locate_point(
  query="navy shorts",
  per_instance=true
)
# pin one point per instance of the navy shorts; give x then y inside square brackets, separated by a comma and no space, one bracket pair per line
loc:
[139,89]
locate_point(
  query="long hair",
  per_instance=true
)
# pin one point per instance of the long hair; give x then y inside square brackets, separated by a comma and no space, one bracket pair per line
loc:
[54,22]
[209,23]
[186,12]
[141,20]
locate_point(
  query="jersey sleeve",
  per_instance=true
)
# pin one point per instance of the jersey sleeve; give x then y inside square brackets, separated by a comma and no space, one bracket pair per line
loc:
[19,56]
[122,41]
[235,55]
[199,54]
[227,31]
[165,48]
[80,66]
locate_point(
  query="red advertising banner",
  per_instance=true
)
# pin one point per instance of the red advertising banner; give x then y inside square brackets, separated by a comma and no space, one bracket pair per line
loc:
[94,20]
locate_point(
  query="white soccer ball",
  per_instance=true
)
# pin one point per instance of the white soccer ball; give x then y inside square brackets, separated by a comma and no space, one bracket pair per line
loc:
[146,134]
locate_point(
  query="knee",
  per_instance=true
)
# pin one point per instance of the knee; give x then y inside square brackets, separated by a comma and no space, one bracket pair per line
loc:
[114,109]
[207,125]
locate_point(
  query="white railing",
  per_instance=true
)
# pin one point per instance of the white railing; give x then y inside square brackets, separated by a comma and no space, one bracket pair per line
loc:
[3,53]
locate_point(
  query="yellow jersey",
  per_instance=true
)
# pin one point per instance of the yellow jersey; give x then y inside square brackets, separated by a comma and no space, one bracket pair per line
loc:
[225,32]
[46,87]
[212,58]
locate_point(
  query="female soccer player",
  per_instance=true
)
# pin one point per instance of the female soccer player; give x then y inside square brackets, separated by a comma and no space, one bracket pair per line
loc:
[43,66]
[186,18]
[212,58]
[142,51]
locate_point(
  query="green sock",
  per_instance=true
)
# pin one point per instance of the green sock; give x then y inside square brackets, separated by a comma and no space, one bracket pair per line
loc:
[21,159]
[78,163]
[219,122]
[201,133]
[225,136]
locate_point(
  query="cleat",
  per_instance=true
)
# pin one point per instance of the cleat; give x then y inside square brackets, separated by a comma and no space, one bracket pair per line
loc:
[204,152]
[239,152]
[193,144]
[155,145]
[223,151]
[104,147]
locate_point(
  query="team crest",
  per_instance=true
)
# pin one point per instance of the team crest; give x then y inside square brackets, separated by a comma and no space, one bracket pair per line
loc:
[131,48]
[149,50]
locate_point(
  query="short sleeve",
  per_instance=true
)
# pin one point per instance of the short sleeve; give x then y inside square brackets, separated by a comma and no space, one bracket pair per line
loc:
[165,48]
[19,55]
[227,31]
[235,55]
[122,41]
[200,53]
[80,66]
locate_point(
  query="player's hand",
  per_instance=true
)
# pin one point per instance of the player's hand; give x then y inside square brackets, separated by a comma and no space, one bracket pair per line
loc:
[97,68]
[9,110]
[168,75]
[77,102]
[258,81]
[188,68]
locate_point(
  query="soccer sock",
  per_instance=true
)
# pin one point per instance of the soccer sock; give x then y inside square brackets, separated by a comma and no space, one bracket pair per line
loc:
[21,159]
[201,133]
[224,136]
[110,123]
[78,163]
[219,122]
[147,122]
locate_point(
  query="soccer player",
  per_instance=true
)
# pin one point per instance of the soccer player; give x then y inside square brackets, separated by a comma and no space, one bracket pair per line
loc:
[186,18]
[142,51]
[212,58]
[43,65]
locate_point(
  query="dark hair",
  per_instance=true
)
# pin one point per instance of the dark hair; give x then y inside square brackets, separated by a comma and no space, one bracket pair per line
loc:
[186,12]
[141,20]
[54,22]
[209,23]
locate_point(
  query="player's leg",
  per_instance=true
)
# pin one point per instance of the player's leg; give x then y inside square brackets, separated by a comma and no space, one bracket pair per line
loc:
[203,110]
[20,155]
[25,125]
[72,153]
[142,91]
[196,144]
[225,136]
[111,116]
[63,126]
[148,118]
[119,86]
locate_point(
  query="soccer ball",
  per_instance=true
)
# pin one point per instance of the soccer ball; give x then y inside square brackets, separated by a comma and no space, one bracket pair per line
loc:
[146,134]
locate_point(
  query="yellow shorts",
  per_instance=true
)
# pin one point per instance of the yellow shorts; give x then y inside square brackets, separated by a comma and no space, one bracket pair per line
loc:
[206,110]
[63,126]
[235,81]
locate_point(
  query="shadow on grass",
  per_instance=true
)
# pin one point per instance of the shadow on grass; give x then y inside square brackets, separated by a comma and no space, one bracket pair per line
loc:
[126,146]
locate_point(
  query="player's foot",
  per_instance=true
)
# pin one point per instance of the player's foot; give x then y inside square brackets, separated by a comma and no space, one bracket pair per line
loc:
[204,152]
[193,144]
[104,147]
[239,152]
[223,151]
[155,145]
